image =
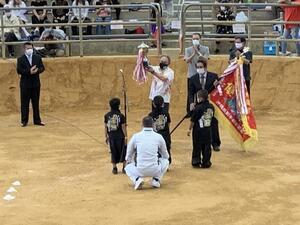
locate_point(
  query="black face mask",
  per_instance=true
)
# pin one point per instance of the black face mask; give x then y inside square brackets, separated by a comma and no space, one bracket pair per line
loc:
[163,65]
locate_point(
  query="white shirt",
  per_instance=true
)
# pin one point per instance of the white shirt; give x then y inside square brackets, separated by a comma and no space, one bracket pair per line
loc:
[29,58]
[84,11]
[145,145]
[162,88]
[204,79]
[11,21]
[18,13]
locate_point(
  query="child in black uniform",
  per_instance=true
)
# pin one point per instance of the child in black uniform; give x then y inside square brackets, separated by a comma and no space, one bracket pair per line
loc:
[116,134]
[201,125]
[162,121]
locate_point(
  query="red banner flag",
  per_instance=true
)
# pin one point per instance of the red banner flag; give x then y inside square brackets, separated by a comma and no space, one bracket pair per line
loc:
[233,106]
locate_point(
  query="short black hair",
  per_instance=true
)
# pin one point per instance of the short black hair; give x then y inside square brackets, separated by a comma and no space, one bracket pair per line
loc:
[28,43]
[243,39]
[115,103]
[202,94]
[168,57]
[197,34]
[147,121]
[202,60]
[158,101]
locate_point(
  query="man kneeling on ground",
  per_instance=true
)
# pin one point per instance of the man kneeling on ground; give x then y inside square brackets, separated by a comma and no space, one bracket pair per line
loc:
[142,156]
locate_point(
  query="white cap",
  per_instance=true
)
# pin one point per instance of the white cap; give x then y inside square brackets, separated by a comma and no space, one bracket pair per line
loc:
[143,45]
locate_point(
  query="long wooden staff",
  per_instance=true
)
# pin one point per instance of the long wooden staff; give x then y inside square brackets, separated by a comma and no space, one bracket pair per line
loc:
[124,94]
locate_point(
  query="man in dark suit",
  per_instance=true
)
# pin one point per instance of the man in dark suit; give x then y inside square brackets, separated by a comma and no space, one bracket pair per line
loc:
[29,67]
[208,81]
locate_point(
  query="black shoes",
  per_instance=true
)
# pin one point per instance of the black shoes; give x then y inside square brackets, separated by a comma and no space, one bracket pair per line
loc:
[23,124]
[206,166]
[196,166]
[216,148]
[115,170]
[40,124]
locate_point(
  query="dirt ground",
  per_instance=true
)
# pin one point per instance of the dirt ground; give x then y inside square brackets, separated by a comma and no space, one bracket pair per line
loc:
[66,176]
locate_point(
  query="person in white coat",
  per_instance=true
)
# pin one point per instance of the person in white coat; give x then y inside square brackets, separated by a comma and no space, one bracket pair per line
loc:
[142,156]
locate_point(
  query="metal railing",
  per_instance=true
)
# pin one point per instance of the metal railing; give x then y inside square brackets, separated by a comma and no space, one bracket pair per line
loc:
[81,24]
[229,37]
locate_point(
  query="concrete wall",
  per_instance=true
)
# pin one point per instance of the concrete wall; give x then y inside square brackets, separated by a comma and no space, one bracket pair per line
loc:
[91,81]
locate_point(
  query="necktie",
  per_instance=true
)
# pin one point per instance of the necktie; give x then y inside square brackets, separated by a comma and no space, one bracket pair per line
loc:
[202,81]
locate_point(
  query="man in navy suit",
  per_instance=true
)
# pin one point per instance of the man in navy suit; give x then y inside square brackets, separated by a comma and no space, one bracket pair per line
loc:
[29,67]
[204,80]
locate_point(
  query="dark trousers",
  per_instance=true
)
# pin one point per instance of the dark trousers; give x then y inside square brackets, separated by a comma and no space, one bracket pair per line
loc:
[166,106]
[168,145]
[201,153]
[248,84]
[28,94]
[75,29]
[215,139]
[10,37]
[117,149]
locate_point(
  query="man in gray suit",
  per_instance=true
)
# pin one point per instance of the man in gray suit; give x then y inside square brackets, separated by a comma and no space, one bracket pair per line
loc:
[191,57]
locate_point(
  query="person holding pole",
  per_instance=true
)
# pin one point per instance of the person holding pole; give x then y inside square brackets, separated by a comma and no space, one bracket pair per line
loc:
[205,80]
[116,134]
[201,121]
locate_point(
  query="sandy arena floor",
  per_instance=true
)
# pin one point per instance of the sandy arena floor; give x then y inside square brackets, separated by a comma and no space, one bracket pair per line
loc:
[65,172]
[66,177]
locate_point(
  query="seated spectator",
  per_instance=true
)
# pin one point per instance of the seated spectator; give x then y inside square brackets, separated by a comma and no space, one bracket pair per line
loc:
[168,6]
[10,33]
[84,16]
[154,28]
[118,10]
[39,15]
[52,50]
[103,15]
[60,15]
[224,13]
[3,3]
[20,14]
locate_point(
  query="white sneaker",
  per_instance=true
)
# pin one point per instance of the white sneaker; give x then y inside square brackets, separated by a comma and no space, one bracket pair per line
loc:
[139,184]
[155,183]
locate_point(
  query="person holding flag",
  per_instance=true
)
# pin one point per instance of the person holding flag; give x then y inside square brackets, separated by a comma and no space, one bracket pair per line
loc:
[236,52]
[233,105]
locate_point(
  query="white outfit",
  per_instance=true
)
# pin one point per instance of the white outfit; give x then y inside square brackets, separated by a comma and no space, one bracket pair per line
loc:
[142,155]
[11,21]
[162,88]
[20,12]
[84,11]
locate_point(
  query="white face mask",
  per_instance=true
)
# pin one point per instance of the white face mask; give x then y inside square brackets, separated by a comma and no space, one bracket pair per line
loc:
[223,8]
[238,45]
[196,42]
[201,71]
[8,14]
[29,51]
